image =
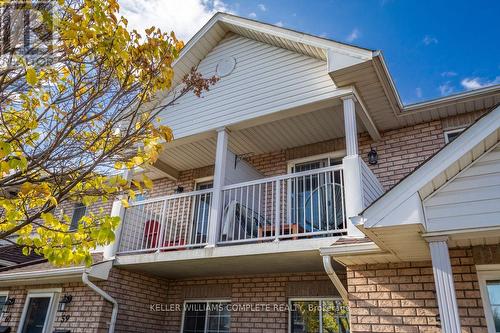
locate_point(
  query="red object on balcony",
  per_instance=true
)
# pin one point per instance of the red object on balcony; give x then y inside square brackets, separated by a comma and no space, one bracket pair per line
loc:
[151,233]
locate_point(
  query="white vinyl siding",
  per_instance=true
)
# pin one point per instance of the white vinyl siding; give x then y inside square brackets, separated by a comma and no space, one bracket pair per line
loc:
[470,200]
[372,189]
[266,79]
[239,171]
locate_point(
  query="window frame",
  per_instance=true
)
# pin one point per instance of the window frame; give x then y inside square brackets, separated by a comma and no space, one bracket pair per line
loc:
[331,155]
[77,205]
[6,294]
[338,154]
[452,131]
[51,311]
[487,273]
[206,301]
[312,299]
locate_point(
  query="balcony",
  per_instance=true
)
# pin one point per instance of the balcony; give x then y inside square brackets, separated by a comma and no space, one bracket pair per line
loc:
[298,206]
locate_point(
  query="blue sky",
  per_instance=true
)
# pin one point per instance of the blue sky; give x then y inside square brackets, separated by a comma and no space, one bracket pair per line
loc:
[432,48]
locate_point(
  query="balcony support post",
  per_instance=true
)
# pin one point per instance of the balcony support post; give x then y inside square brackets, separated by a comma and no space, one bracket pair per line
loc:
[219,177]
[117,209]
[352,167]
[351,130]
[445,289]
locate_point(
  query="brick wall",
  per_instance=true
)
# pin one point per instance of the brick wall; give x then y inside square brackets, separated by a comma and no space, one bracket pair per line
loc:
[272,289]
[90,313]
[84,310]
[400,297]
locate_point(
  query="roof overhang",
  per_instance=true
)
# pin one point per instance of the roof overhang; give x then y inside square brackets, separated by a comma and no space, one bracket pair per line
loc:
[396,221]
[99,271]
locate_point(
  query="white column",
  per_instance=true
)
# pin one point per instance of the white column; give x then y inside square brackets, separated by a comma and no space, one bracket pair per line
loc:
[219,176]
[351,165]
[445,288]
[117,210]
[353,192]
[351,131]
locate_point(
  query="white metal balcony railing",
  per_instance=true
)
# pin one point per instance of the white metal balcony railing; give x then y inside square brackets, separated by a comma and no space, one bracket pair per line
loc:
[168,222]
[292,206]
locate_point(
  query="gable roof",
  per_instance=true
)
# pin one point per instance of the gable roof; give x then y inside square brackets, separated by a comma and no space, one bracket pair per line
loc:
[349,66]
[222,23]
[472,143]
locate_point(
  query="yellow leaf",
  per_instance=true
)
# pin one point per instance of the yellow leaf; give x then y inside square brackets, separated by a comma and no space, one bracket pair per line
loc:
[147,182]
[31,77]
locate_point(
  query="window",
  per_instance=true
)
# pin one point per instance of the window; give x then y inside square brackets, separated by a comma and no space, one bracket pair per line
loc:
[318,315]
[38,312]
[206,317]
[201,212]
[316,199]
[451,135]
[78,212]
[489,282]
[4,295]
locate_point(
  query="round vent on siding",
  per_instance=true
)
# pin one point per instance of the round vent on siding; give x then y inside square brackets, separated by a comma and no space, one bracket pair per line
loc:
[225,66]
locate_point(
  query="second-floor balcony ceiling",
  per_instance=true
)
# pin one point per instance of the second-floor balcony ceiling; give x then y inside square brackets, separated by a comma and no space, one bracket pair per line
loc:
[309,124]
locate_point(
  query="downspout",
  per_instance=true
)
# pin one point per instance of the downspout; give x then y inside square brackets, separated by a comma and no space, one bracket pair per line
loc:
[327,263]
[107,297]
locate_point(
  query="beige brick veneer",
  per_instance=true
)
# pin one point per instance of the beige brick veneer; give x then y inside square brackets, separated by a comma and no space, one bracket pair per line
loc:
[89,313]
[400,297]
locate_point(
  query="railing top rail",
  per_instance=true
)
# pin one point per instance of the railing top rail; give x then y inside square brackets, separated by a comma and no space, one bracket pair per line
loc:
[282,177]
[169,197]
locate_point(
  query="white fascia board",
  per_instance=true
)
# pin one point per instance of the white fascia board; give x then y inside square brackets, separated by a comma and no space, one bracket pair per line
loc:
[49,273]
[294,36]
[432,168]
[350,249]
[99,271]
[337,60]
[409,211]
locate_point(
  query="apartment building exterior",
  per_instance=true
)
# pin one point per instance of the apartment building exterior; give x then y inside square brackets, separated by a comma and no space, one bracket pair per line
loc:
[300,195]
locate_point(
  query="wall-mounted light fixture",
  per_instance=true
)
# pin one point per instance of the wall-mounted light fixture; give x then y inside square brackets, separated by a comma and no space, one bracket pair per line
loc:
[63,303]
[179,189]
[372,157]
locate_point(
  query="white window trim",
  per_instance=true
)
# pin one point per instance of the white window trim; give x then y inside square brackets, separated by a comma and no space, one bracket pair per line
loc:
[49,319]
[202,180]
[487,273]
[206,301]
[312,299]
[332,155]
[452,131]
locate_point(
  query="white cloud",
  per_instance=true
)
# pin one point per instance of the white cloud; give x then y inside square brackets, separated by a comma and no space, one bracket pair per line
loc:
[477,83]
[448,74]
[353,35]
[279,24]
[418,92]
[262,7]
[252,15]
[446,88]
[428,40]
[184,17]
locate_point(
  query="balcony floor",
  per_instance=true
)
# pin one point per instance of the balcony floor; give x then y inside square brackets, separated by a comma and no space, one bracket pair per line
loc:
[285,256]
